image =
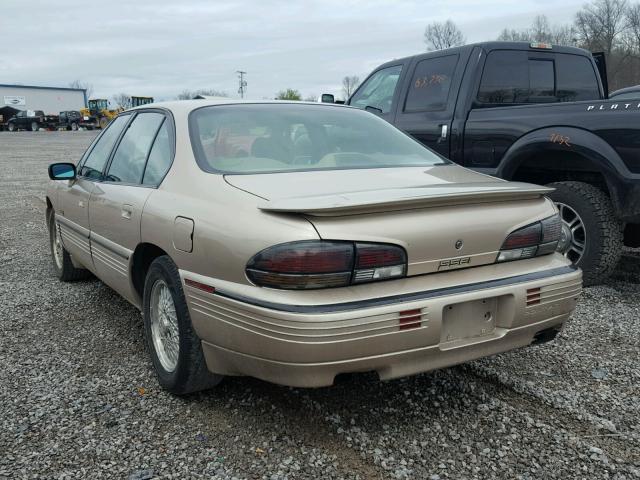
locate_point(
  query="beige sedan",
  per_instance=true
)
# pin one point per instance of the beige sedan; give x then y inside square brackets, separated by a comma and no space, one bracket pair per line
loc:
[293,242]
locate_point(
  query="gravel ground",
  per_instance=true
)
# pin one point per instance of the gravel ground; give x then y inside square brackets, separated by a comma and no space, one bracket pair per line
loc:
[79,400]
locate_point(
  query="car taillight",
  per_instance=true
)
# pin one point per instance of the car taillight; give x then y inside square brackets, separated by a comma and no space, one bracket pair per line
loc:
[540,238]
[378,262]
[322,264]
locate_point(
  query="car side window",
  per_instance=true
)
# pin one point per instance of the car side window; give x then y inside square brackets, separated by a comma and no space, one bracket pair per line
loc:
[131,154]
[94,163]
[430,85]
[378,90]
[160,157]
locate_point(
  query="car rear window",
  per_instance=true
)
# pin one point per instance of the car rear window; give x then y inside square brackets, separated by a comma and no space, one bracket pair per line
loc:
[259,138]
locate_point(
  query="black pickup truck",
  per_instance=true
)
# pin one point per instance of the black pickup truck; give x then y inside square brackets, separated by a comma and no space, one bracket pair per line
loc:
[528,112]
[32,120]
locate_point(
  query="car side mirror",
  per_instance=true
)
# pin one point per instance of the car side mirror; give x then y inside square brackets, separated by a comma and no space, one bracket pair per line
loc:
[327,98]
[62,171]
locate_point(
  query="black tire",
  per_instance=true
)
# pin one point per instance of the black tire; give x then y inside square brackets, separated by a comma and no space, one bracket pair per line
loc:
[11,127]
[63,268]
[74,126]
[604,232]
[35,127]
[190,373]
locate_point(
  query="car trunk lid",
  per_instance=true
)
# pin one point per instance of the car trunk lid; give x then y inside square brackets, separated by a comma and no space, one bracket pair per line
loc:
[445,217]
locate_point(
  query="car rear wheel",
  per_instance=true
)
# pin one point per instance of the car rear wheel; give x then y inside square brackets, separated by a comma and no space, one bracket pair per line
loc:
[591,233]
[62,263]
[35,127]
[175,349]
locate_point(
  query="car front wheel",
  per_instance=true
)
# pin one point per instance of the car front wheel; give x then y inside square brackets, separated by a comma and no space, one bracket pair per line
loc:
[175,349]
[591,234]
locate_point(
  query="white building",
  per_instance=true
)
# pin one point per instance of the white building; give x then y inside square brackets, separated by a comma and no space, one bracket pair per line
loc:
[51,100]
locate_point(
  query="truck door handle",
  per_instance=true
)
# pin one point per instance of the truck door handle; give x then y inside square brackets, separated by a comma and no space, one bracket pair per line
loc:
[126,212]
[444,130]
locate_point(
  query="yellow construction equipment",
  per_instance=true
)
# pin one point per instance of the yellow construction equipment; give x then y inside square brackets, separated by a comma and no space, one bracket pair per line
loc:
[99,112]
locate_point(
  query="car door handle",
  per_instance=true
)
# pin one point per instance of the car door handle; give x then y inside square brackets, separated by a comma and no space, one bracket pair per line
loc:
[127,211]
[444,131]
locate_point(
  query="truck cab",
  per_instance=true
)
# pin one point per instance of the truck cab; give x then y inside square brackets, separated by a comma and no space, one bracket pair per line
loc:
[530,112]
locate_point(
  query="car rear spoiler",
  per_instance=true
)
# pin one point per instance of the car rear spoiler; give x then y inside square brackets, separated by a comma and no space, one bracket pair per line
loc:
[405,198]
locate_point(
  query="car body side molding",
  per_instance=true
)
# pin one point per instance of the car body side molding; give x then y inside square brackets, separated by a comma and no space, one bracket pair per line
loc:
[408,297]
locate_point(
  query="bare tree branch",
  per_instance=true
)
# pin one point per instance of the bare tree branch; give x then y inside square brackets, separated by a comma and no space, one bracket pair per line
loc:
[349,85]
[441,35]
[122,100]
[82,85]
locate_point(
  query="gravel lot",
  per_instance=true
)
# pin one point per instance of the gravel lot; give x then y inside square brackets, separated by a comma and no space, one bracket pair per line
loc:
[79,400]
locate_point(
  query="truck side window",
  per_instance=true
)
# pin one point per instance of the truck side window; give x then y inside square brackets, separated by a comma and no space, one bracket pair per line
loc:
[378,90]
[577,79]
[505,78]
[430,85]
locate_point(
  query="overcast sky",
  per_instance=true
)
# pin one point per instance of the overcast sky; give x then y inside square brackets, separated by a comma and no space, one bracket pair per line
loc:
[161,47]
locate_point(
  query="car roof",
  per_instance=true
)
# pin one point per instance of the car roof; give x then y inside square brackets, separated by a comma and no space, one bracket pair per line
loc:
[185,106]
[635,88]
[488,46]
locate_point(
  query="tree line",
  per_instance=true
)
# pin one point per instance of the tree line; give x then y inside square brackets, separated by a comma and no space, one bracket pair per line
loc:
[609,26]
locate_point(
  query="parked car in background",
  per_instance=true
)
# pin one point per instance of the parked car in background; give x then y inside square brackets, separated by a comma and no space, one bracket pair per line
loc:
[293,242]
[527,112]
[629,93]
[32,120]
[73,120]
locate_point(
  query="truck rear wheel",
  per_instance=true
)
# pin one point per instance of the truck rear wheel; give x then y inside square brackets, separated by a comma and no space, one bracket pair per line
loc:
[591,233]
[35,127]
[11,127]
[74,126]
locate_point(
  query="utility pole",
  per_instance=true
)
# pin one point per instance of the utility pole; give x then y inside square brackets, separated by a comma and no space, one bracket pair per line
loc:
[242,83]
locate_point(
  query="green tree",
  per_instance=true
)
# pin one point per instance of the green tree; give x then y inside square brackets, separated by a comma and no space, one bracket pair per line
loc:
[289,94]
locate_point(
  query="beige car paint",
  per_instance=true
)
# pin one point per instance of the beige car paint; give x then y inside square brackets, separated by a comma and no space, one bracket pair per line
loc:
[231,223]
[116,211]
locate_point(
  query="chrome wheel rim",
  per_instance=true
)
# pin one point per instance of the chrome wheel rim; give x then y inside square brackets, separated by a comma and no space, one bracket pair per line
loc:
[164,326]
[34,127]
[57,246]
[573,237]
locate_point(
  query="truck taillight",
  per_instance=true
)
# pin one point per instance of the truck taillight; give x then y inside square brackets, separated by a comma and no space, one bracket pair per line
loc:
[322,264]
[540,238]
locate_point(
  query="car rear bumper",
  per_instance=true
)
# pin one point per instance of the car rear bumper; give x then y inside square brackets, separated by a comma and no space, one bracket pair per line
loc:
[394,335]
